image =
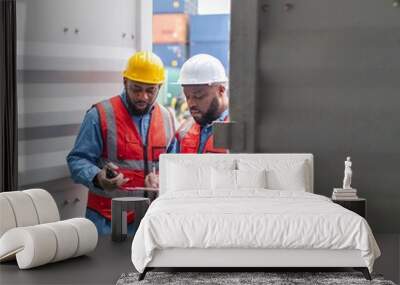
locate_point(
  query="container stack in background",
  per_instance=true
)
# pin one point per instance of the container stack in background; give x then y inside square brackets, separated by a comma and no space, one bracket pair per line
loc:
[210,34]
[179,32]
[170,43]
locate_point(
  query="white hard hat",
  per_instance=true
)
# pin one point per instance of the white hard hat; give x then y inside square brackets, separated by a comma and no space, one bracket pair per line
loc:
[202,69]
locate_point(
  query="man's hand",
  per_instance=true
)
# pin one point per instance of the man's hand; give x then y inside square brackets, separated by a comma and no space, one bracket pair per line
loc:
[151,180]
[110,183]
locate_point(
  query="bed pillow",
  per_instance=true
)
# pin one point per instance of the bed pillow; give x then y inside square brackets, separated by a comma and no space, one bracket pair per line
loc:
[289,179]
[251,178]
[223,179]
[183,177]
[191,174]
[227,179]
[280,174]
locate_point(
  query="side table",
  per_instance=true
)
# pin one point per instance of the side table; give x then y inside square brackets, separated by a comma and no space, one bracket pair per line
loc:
[358,206]
[119,208]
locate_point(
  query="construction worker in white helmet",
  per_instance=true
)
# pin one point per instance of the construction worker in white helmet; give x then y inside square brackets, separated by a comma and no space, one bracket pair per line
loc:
[204,84]
[121,139]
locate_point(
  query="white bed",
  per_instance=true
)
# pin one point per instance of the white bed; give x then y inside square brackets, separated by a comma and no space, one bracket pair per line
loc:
[203,220]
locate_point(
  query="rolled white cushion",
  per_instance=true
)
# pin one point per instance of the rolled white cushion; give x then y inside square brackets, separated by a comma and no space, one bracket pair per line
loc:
[87,235]
[7,218]
[37,245]
[45,205]
[26,208]
[67,240]
[33,246]
[23,208]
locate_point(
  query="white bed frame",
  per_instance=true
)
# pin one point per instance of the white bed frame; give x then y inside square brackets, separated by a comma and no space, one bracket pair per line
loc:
[251,258]
[233,257]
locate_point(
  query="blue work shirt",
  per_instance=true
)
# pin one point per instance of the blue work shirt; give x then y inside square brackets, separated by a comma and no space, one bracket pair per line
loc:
[84,157]
[205,133]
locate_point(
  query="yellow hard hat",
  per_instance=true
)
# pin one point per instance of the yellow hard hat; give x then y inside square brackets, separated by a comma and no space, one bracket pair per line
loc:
[145,67]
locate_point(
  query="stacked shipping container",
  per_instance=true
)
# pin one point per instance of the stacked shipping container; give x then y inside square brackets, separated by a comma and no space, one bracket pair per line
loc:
[179,32]
[210,34]
[170,39]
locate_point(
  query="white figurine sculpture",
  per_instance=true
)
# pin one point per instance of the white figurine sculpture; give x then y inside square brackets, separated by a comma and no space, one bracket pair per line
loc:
[348,173]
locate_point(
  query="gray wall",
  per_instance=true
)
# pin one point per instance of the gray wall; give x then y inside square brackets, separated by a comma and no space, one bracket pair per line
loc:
[322,77]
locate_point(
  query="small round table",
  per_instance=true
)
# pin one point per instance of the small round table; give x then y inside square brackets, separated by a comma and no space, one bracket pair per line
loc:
[119,209]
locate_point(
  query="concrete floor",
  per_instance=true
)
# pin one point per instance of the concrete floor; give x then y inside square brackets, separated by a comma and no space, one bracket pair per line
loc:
[389,262]
[102,266]
[110,260]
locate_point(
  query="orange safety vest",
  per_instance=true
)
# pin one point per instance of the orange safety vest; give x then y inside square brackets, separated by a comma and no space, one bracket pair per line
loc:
[188,137]
[123,146]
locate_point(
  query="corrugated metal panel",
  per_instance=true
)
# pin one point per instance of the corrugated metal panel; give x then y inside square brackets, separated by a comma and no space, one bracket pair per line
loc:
[70,56]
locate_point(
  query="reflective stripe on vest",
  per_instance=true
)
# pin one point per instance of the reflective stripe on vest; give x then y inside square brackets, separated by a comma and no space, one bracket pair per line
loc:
[123,146]
[189,139]
[131,164]
[120,133]
[111,130]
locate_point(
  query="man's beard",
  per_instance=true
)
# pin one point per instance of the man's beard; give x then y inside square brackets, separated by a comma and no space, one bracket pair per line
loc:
[211,115]
[138,112]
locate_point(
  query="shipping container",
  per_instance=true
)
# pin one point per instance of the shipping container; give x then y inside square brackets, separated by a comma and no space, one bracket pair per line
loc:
[174,6]
[218,49]
[171,55]
[170,88]
[173,88]
[170,29]
[207,28]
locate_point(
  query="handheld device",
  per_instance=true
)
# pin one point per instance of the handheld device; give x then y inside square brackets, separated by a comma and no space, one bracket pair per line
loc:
[110,173]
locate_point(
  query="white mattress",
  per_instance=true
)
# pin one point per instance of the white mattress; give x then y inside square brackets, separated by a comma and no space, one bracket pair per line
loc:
[252,219]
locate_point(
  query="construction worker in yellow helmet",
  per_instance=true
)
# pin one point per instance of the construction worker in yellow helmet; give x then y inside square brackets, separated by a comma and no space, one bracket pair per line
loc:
[121,139]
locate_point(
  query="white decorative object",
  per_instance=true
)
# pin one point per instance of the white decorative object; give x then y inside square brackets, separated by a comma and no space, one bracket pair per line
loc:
[7,216]
[344,194]
[26,208]
[46,243]
[348,173]
[31,231]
